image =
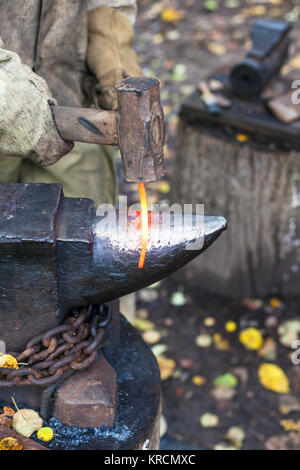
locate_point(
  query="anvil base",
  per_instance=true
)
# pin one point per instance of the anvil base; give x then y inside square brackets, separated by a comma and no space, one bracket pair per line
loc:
[138,402]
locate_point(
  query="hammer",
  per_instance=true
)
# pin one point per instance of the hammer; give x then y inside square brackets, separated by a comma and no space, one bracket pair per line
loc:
[137,127]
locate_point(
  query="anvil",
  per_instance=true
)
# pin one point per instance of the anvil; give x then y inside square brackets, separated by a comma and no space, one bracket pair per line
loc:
[56,253]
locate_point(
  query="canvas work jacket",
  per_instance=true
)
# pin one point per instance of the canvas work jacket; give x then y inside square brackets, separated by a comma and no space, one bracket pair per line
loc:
[51,36]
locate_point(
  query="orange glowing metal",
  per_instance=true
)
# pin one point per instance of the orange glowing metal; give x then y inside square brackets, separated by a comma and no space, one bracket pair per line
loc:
[144,206]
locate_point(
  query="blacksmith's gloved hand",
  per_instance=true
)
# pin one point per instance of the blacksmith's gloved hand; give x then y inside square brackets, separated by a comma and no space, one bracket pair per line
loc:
[110,54]
[26,122]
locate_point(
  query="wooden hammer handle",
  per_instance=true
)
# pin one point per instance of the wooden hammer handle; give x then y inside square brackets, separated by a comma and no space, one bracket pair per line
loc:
[93,126]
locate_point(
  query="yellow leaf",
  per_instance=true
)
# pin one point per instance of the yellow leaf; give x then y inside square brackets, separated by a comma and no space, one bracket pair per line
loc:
[163,187]
[143,324]
[216,48]
[241,138]
[221,343]
[45,434]
[166,367]
[290,425]
[295,62]
[257,10]
[170,15]
[198,380]
[10,443]
[230,326]
[273,378]
[274,302]
[151,337]
[8,362]
[251,338]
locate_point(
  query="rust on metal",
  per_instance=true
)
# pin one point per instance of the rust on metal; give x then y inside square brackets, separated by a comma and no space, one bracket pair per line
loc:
[142,133]
[88,398]
[73,345]
[137,127]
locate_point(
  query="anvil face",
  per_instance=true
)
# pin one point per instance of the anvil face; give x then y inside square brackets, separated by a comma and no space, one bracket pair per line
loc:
[170,246]
[55,254]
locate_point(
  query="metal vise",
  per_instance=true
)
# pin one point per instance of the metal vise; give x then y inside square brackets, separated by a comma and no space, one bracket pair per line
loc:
[137,127]
[270,50]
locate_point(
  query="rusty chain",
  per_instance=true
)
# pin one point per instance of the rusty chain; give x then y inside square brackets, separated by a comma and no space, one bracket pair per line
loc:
[72,345]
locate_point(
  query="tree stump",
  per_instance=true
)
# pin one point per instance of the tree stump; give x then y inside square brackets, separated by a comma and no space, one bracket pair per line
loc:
[258,190]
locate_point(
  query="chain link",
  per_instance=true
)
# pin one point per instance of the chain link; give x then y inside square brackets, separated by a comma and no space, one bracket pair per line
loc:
[72,345]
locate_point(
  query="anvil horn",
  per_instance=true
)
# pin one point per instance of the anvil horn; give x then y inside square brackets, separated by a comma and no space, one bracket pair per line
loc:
[114,269]
[55,253]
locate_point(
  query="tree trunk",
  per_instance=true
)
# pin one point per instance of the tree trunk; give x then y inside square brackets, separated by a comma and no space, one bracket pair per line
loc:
[258,191]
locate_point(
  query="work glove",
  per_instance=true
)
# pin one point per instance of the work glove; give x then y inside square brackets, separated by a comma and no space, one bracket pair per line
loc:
[26,122]
[110,54]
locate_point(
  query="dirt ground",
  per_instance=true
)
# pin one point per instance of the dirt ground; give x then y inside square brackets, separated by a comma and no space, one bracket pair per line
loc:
[181,52]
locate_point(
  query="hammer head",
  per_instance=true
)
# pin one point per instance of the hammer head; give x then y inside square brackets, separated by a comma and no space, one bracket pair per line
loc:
[141,129]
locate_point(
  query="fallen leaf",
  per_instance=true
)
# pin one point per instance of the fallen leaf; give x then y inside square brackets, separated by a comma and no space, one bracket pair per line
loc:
[257,10]
[290,425]
[209,321]
[26,422]
[5,420]
[148,295]
[211,5]
[208,420]
[252,304]
[163,426]
[171,15]
[289,441]
[273,378]
[242,374]
[295,62]
[216,48]
[8,411]
[274,303]
[159,349]
[8,362]
[269,349]
[45,434]
[151,337]
[236,435]
[221,343]
[177,299]
[224,446]
[143,325]
[232,3]
[288,403]
[163,187]
[294,14]
[198,380]
[203,341]
[251,338]
[241,137]
[155,285]
[10,443]
[226,380]
[158,38]
[179,73]
[230,326]
[223,393]
[186,363]
[166,366]
[142,313]
[289,332]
